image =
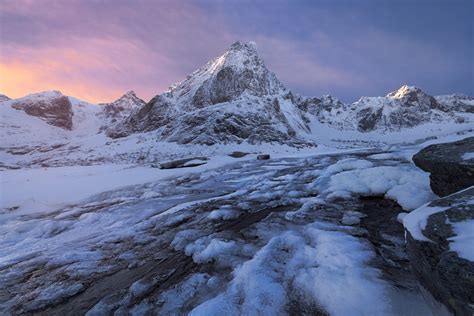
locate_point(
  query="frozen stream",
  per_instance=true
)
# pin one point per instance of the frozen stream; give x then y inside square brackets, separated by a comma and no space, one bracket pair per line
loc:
[286,236]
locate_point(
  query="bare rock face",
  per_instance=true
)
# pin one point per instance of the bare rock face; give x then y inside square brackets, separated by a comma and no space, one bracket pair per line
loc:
[447,276]
[451,165]
[52,107]
[232,99]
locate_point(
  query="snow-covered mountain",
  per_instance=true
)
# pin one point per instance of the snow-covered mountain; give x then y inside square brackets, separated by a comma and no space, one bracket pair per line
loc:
[404,108]
[232,99]
[122,107]
[232,103]
[4,98]
[52,107]
[236,99]
[50,117]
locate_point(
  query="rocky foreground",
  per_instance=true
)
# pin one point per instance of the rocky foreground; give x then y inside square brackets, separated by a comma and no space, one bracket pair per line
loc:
[440,235]
[279,236]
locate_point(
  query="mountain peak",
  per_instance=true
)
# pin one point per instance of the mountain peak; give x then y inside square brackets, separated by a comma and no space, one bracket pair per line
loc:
[128,100]
[240,70]
[240,55]
[239,46]
[130,94]
[404,91]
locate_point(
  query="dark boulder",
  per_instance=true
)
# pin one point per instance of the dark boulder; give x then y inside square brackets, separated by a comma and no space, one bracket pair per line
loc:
[183,163]
[238,154]
[449,164]
[263,157]
[447,276]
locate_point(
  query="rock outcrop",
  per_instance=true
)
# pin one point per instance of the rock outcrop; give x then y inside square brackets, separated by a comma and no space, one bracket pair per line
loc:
[451,165]
[447,275]
[52,107]
[184,163]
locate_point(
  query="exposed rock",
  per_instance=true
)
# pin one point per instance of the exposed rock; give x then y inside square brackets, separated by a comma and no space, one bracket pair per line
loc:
[238,154]
[447,276]
[183,163]
[52,107]
[263,157]
[448,163]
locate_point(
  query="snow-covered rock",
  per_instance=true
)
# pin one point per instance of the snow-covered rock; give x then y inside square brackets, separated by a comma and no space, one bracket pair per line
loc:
[4,98]
[122,107]
[407,107]
[457,102]
[232,99]
[439,239]
[447,163]
[51,106]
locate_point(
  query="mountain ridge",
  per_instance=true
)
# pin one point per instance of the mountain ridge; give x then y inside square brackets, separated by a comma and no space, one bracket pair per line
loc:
[235,98]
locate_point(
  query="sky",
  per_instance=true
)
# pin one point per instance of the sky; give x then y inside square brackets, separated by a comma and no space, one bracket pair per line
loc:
[97,50]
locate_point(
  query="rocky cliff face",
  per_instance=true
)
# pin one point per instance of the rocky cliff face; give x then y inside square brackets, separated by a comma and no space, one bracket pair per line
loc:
[439,267]
[439,235]
[52,107]
[232,99]
[451,165]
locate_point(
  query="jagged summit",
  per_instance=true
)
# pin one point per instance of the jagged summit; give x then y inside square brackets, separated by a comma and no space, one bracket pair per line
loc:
[240,69]
[404,91]
[121,108]
[232,98]
[128,100]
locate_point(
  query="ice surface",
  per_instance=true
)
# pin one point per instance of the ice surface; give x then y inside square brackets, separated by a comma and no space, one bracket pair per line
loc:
[327,267]
[405,184]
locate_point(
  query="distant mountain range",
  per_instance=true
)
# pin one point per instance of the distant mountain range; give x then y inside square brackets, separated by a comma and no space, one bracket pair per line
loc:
[234,98]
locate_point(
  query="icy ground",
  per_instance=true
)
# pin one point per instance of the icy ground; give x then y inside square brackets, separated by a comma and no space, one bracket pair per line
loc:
[308,235]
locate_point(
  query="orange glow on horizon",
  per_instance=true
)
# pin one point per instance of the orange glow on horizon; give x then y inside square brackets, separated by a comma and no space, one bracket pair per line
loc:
[93,70]
[18,80]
